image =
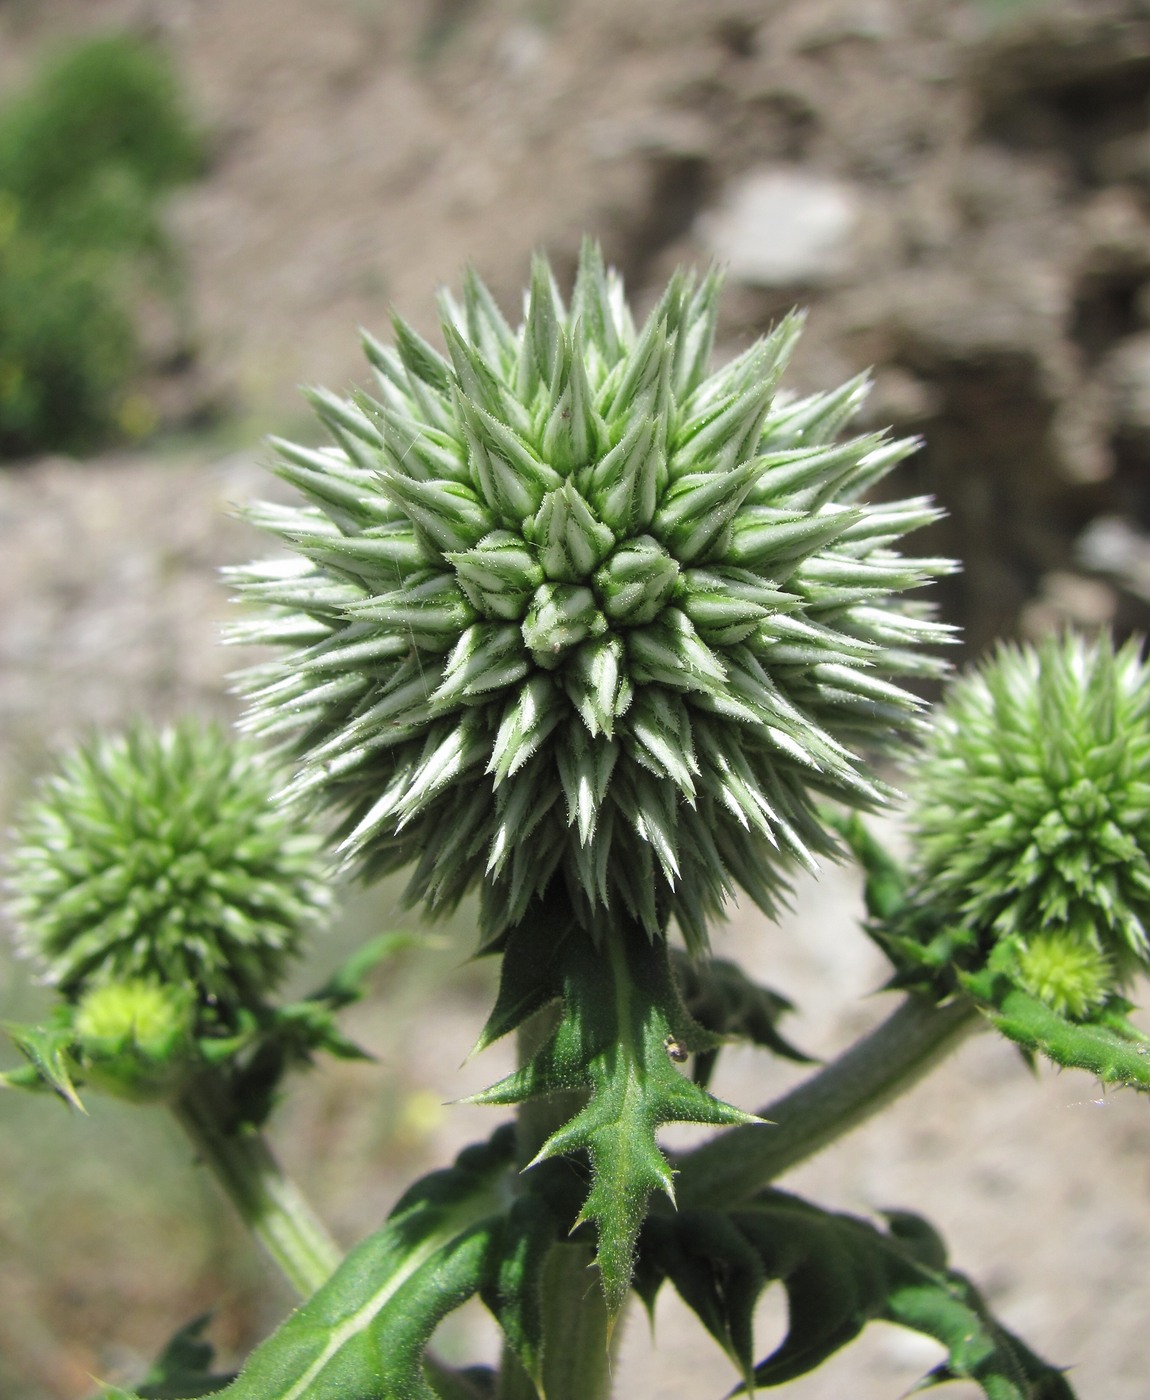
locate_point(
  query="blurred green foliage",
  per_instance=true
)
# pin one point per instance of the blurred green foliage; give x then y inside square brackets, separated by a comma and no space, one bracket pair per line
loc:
[87,153]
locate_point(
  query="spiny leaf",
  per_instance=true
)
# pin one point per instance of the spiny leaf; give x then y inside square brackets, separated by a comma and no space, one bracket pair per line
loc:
[839,1273]
[1107,1047]
[621,1012]
[183,1370]
[49,1052]
[725,1001]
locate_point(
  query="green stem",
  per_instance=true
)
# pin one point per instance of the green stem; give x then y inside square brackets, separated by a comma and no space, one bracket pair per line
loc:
[270,1203]
[885,1063]
[579,1335]
[580,1339]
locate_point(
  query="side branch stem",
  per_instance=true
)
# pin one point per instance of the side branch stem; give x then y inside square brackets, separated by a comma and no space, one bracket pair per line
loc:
[878,1068]
[270,1203]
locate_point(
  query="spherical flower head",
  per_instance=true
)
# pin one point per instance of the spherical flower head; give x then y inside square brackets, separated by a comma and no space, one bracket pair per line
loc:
[1031,817]
[161,855]
[567,607]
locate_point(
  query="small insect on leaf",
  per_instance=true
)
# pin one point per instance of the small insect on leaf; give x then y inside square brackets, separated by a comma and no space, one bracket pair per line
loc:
[677,1052]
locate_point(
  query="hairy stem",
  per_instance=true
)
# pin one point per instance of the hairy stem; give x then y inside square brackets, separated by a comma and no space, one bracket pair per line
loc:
[885,1063]
[577,1356]
[578,1332]
[270,1203]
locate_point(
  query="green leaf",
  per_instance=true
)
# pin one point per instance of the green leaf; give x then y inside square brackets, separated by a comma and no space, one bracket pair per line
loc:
[513,1289]
[1110,1048]
[25,1077]
[721,997]
[183,1370]
[348,983]
[49,1052]
[885,878]
[362,1335]
[621,1024]
[282,1038]
[267,1047]
[926,949]
[980,1348]
[839,1273]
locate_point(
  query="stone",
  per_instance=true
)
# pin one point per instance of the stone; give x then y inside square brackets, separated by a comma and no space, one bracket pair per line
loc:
[783,226]
[1069,600]
[1126,373]
[1112,545]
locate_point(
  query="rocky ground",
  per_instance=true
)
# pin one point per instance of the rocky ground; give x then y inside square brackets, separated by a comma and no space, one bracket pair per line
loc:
[956,188]
[959,192]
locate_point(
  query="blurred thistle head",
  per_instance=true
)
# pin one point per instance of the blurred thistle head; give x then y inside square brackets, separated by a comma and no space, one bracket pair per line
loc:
[160,856]
[568,607]
[1031,816]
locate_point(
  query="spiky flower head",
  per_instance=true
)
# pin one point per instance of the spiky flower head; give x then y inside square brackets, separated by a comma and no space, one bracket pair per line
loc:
[566,606]
[1031,821]
[160,856]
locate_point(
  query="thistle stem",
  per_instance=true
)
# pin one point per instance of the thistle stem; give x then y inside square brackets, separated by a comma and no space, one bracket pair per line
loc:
[580,1338]
[866,1077]
[269,1203]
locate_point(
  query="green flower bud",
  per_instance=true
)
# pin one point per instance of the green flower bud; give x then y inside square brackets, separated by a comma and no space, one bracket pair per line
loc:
[570,608]
[160,856]
[1031,816]
[561,616]
[1071,977]
[499,575]
[637,581]
[135,1038]
[569,539]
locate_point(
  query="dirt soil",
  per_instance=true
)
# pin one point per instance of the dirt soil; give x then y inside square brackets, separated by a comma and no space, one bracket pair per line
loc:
[960,193]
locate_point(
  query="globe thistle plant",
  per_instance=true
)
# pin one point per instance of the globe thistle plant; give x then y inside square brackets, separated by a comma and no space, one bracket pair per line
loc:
[160,857]
[1032,817]
[575,622]
[164,893]
[565,606]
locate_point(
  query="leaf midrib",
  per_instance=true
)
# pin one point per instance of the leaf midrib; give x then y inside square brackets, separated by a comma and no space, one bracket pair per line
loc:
[467,1214]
